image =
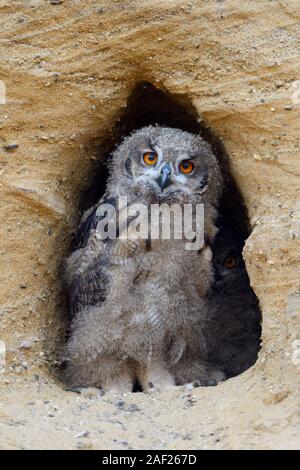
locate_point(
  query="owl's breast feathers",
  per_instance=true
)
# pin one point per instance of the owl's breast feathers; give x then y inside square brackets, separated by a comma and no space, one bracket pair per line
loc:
[143,263]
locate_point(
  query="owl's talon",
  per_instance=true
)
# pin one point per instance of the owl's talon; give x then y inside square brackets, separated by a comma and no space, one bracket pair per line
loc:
[120,384]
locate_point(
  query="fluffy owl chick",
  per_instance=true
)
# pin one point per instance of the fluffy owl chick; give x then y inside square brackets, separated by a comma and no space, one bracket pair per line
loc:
[135,303]
[233,326]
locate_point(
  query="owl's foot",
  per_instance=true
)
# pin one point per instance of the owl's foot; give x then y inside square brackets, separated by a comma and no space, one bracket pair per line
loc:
[153,389]
[190,386]
[121,384]
[191,371]
[215,376]
[211,378]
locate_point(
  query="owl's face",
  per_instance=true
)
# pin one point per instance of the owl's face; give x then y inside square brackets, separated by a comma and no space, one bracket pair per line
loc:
[230,270]
[167,169]
[166,162]
[229,263]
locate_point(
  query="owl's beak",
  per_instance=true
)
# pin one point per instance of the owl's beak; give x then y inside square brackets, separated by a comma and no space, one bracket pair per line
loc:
[164,179]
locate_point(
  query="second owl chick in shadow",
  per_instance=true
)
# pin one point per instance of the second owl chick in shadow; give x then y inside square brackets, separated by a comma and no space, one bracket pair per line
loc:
[233,327]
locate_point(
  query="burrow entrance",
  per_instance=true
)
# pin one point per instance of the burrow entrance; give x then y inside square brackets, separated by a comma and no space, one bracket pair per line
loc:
[234,327]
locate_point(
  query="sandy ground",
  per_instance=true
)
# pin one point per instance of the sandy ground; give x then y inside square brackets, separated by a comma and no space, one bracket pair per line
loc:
[41,415]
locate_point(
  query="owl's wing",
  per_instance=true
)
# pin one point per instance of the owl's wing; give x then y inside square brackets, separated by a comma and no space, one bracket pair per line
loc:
[90,220]
[86,268]
[88,286]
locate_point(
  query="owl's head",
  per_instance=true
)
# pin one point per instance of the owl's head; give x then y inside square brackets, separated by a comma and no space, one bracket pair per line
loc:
[166,164]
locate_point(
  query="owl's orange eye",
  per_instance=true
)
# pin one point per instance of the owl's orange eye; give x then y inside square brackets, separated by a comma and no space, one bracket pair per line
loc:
[186,167]
[230,262]
[150,158]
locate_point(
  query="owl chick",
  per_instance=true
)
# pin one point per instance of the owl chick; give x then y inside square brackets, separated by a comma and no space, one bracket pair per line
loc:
[135,302]
[233,326]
